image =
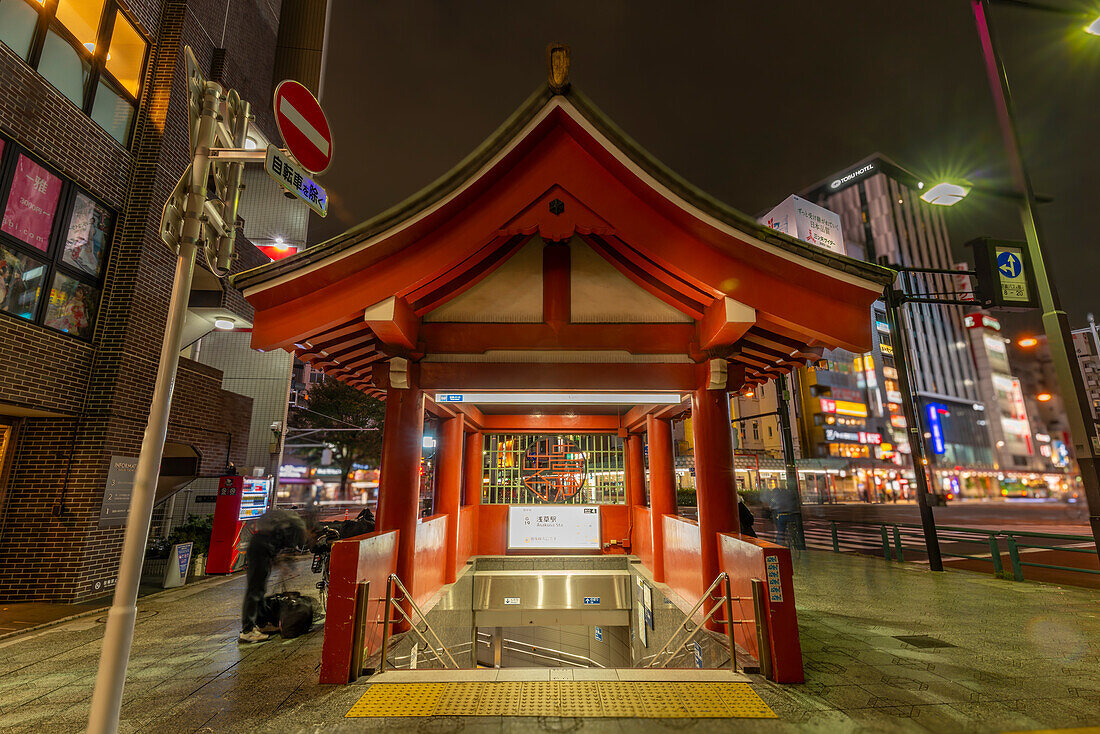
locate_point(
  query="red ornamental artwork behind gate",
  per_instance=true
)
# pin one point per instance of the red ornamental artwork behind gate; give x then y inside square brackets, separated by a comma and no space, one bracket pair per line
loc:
[554,469]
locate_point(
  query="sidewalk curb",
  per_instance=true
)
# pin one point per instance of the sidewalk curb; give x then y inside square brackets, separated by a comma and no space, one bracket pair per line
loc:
[99,610]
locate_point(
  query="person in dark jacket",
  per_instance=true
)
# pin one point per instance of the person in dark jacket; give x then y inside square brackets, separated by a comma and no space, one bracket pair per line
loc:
[745,516]
[274,532]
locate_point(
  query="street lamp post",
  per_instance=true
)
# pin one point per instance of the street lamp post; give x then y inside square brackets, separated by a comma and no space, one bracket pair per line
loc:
[1055,322]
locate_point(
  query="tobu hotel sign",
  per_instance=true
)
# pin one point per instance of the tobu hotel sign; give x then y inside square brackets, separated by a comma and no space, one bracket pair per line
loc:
[303,125]
[553,469]
[546,527]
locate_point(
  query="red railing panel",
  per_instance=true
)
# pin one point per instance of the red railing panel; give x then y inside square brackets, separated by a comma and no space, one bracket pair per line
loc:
[371,557]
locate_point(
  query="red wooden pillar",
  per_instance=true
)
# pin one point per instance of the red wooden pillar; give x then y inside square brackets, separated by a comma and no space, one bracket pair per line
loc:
[472,469]
[662,487]
[399,484]
[634,479]
[635,471]
[448,486]
[714,482]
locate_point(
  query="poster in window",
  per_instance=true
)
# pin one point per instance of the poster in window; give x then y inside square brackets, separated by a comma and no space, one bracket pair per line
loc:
[20,283]
[86,241]
[32,204]
[72,306]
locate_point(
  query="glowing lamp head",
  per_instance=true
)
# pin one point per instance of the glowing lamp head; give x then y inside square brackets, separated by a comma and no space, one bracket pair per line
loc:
[1043,397]
[945,194]
[1027,342]
[91,48]
[223,324]
[1093,27]
[281,245]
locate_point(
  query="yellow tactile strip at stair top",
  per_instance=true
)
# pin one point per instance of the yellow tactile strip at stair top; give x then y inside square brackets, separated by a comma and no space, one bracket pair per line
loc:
[620,699]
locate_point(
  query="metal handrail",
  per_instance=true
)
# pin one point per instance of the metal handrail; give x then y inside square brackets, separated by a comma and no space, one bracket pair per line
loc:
[519,645]
[524,648]
[729,621]
[393,603]
[1011,538]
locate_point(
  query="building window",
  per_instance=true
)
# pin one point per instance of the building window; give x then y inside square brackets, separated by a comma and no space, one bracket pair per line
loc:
[17,23]
[88,49]
[55,236]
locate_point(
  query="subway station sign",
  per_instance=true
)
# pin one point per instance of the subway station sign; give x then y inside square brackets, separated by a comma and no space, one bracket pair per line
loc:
[549,527]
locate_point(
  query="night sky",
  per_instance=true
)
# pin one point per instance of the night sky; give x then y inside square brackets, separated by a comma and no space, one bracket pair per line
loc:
[749,101]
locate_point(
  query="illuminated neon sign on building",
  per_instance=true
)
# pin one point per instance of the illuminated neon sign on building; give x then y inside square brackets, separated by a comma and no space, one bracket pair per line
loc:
[936,428]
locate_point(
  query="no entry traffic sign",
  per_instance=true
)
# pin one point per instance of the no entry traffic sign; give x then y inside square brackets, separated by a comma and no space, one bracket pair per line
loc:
[303,126]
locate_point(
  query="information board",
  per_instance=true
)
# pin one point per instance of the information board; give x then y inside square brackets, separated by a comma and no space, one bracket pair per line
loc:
[116,495]
[553,527]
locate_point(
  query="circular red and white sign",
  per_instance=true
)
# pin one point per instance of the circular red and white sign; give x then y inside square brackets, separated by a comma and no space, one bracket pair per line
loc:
[303,126]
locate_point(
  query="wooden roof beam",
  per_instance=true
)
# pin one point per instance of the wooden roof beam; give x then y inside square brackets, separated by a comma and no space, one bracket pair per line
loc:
[724,322]
[394,322]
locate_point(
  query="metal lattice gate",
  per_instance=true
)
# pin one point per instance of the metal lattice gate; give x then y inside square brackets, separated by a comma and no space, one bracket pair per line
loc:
[581,468]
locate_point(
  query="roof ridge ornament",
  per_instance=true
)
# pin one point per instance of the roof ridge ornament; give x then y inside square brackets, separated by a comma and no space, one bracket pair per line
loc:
[557,67]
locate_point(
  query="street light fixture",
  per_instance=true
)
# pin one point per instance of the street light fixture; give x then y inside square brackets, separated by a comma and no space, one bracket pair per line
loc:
[945,194]
[1043,397]
[1094,27]
[1027,342]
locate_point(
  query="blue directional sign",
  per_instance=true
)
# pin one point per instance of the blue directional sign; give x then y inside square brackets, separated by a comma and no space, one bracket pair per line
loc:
[1010,271]
[1009,263]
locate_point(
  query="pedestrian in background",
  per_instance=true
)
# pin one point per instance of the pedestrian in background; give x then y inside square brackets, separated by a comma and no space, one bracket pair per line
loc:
[745,517]
[275,531]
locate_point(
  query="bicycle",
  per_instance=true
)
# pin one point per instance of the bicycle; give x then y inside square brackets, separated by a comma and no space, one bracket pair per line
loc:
[321,552]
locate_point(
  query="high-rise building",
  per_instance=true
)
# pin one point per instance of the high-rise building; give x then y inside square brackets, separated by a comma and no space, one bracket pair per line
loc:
[885,220]
[1086,343]
[1010,427]
[93,137]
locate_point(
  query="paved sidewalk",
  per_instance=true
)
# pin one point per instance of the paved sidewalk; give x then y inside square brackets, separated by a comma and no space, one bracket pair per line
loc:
[1022,656]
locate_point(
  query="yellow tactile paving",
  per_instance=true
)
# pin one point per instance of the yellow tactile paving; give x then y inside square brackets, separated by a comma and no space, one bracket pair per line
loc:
[621,699]
[498,699]
[540,698]
[461,700]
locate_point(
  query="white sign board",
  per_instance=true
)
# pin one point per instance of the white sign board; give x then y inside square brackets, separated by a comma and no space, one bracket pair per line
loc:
[808,222]
[553,527]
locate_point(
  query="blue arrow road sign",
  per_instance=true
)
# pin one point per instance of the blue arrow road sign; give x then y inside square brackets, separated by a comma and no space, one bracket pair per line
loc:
[1009,264]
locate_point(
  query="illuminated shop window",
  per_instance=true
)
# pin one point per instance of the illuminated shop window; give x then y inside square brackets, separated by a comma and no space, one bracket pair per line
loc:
[53,245]
[89,50]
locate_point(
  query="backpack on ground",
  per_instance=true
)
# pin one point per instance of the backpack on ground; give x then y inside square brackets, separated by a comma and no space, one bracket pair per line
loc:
[292,612]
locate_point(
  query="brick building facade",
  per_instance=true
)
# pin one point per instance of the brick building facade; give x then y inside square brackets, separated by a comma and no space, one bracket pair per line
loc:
[71,401]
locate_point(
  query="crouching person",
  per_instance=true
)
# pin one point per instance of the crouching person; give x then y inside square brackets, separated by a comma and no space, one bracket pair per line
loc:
[274,532]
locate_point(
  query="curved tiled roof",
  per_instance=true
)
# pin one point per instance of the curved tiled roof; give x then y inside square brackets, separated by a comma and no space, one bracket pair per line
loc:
[499,140]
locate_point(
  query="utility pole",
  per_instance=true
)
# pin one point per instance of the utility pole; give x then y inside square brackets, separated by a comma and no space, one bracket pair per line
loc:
[782,396]
[1086,444]
[190,220]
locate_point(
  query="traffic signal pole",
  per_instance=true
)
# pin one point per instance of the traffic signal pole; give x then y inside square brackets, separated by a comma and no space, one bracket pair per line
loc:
[893,301]
[1086,444]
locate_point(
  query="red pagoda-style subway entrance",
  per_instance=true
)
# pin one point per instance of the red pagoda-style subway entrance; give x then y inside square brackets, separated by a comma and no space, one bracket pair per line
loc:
[560,283]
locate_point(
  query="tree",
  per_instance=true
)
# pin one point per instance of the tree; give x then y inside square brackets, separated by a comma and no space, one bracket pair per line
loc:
[334,405]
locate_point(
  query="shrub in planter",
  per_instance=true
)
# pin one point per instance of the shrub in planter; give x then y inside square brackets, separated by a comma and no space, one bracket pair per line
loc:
[686,498]
[197,530]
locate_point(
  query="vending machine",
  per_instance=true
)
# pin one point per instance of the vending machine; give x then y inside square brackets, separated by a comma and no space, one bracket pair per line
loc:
[240,500]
